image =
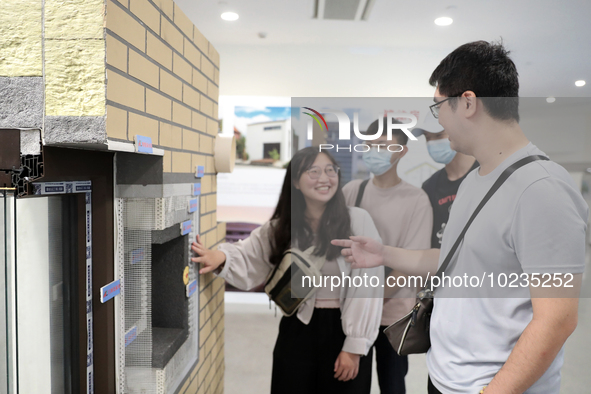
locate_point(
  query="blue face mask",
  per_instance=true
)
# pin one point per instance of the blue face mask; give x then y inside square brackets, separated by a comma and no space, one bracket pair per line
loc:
[440,151]
[378,162]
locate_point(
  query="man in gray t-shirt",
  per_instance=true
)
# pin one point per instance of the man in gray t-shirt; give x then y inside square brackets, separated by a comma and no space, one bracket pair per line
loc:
[533,227]
[529,226]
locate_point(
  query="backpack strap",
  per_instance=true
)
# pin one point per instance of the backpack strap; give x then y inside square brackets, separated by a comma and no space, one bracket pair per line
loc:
[360,192]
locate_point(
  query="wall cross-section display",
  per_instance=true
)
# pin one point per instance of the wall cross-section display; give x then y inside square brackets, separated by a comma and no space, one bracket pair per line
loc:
[159,340]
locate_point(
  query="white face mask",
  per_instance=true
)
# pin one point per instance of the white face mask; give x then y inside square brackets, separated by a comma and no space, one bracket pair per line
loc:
[440,151]
[378,162]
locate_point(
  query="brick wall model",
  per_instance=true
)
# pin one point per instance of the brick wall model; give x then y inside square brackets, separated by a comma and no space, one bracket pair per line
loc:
[92,71]
[162,82]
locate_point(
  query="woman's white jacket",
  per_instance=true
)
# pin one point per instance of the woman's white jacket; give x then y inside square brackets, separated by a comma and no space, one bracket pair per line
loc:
[247,265]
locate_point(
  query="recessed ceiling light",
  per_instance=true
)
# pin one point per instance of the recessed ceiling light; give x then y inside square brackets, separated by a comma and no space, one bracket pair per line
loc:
[230,16]
[550,100]
[580,83]
[444,21]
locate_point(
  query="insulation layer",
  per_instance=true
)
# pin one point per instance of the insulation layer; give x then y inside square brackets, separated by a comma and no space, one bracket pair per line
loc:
[20,38]
[74,77]
[74,19]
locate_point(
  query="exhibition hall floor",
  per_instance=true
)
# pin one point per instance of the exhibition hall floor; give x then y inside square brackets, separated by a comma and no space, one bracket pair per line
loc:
[251,330]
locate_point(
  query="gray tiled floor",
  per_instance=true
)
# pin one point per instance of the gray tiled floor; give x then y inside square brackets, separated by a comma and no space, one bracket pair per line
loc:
[251,330]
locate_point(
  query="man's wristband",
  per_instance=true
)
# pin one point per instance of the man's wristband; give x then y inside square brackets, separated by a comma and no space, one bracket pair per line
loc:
[482,391]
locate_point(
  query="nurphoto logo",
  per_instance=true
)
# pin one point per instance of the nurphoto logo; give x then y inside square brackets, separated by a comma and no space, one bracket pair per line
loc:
[345,129]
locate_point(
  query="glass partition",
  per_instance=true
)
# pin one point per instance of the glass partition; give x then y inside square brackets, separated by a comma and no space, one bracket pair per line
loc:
[7,351]
[38,336]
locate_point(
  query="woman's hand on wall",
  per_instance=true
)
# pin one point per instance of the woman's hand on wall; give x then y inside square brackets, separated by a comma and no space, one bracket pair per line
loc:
[347,366]
[210,259]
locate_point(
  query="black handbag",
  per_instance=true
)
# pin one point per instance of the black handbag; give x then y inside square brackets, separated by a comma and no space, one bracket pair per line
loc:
[284,285]
[410,334]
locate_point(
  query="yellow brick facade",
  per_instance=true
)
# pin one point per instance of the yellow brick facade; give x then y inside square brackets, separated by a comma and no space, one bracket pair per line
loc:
[143,65]
[160,65]
[163,74]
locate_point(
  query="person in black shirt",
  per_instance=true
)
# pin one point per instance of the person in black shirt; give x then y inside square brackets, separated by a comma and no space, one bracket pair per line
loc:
[442,186]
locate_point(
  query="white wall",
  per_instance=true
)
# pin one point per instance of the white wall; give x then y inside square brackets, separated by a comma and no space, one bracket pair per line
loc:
[561,129]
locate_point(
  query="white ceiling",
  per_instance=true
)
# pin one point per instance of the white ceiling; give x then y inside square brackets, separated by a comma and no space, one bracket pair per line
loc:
[395,51]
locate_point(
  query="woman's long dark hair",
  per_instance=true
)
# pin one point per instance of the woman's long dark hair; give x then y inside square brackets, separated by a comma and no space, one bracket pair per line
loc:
[289,214]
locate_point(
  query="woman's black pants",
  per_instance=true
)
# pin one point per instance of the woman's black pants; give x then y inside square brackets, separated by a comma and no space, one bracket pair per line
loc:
[305,355]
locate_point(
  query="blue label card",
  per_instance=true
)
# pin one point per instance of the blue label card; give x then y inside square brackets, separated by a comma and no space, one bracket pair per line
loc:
[130,335]
[193,205]
[137,255]
[186,227]
[200,171]
[191,288]
[143,144]
[196,189]
[111,290]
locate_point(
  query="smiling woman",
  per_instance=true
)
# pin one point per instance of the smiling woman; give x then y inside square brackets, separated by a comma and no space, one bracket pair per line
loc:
[318,185]
[326,345]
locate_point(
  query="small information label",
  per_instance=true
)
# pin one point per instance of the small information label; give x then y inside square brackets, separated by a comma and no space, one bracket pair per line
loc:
[50,188]
[200,171]
[55,189]
[137,255]
[130,335]
[82,187]
[192,205]
[143,144]
[111,290]
[186,227]
[191,288]
[62,187]
[196,189]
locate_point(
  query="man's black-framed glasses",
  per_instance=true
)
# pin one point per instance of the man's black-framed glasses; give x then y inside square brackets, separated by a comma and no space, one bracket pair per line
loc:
[435,107]
[316,172]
